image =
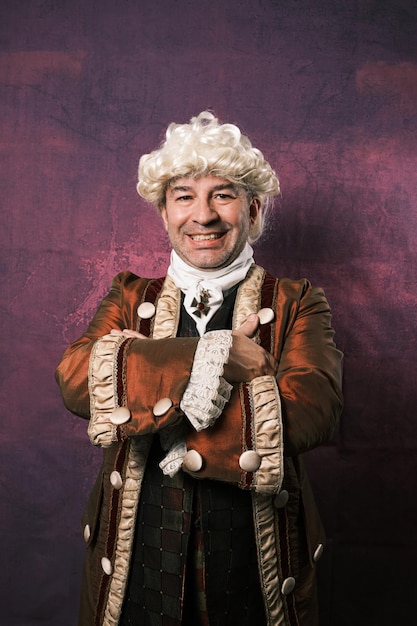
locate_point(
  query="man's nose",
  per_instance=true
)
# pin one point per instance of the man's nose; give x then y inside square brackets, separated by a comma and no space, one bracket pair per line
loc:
[204,211]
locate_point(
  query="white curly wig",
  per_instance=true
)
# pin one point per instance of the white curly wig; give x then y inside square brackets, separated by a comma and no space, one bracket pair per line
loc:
[204,147]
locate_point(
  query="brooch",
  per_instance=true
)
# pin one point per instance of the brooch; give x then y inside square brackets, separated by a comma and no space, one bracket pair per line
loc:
[202,307]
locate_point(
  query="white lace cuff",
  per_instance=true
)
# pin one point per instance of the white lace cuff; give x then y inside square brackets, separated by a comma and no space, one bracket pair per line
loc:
[172,462]
[207,392]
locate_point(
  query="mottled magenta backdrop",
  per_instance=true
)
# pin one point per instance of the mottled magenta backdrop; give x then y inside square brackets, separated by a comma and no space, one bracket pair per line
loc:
[328,89]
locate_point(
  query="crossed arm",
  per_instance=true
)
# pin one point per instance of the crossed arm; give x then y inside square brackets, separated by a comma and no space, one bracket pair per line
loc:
[247,360]
[308,373]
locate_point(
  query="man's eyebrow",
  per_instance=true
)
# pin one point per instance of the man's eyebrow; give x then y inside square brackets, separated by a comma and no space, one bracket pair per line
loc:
[221,187]
[179,188]
[226,186]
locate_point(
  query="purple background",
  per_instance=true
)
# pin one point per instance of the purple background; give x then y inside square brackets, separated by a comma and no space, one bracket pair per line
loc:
[328,90]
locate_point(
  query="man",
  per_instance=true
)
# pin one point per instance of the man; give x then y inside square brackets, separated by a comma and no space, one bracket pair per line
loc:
[203,388]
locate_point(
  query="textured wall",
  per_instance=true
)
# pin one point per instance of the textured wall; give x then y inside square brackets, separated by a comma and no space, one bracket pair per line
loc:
[328,89]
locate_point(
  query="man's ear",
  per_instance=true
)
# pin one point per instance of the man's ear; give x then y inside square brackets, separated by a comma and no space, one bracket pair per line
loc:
[254,208]
[163,212]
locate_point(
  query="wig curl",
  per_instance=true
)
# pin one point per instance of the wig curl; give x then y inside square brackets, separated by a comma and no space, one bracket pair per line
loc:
[204,147]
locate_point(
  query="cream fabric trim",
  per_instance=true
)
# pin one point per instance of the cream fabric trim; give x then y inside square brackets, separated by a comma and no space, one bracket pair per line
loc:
[268,442]
[135,469]
[102,385]
[167,311]
[268,559]
[102,381]
[248,296]
[266,402]
[268,436]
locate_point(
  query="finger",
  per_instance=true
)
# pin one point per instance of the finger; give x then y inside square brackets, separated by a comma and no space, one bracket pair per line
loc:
[133,334]
[249,327]
[274,364]
[116,331]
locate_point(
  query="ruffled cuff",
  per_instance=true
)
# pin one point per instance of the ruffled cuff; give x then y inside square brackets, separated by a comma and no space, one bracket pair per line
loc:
[172,462]
[208,392]
[106,368]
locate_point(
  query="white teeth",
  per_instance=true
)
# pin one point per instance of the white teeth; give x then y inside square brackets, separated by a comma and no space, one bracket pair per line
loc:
[205,237]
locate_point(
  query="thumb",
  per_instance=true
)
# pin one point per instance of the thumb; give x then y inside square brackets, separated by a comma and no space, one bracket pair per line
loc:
[133,334]
[250,326]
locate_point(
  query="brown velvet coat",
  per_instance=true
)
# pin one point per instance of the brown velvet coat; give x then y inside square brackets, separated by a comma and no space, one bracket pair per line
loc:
[279,419]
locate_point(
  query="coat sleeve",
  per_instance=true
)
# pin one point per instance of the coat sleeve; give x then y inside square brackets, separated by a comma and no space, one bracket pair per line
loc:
[269,419]
[310,372]
[100,373]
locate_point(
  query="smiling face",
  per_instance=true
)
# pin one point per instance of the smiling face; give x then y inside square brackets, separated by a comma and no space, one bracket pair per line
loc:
[208,220]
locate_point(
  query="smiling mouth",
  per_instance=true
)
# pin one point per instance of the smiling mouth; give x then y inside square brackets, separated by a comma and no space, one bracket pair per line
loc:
[209,237]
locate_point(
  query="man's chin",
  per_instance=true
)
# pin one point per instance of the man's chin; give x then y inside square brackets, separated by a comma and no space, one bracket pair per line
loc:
[207,262]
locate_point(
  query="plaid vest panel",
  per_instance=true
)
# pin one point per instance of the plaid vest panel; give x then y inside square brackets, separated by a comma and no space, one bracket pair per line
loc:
[155,587]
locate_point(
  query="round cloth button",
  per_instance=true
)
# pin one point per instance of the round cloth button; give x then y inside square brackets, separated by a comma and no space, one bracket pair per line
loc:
[87,533]
[121,415]
[146,310]
[106,565]
[193,461]
[249,461]
[318,552]
[288,586]
[116,480]
[162,406]
[281,499]
[266,315]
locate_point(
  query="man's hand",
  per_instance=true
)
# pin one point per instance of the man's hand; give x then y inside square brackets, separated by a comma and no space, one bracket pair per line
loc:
[126,332]
[247,360]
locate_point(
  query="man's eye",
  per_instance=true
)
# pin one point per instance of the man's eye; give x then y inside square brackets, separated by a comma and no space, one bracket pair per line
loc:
[184,198]
[223,196]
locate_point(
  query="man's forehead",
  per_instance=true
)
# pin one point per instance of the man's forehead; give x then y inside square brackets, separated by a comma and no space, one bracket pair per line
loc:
[212,183]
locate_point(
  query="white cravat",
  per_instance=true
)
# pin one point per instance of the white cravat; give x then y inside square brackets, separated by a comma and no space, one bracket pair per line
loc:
[204,290]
